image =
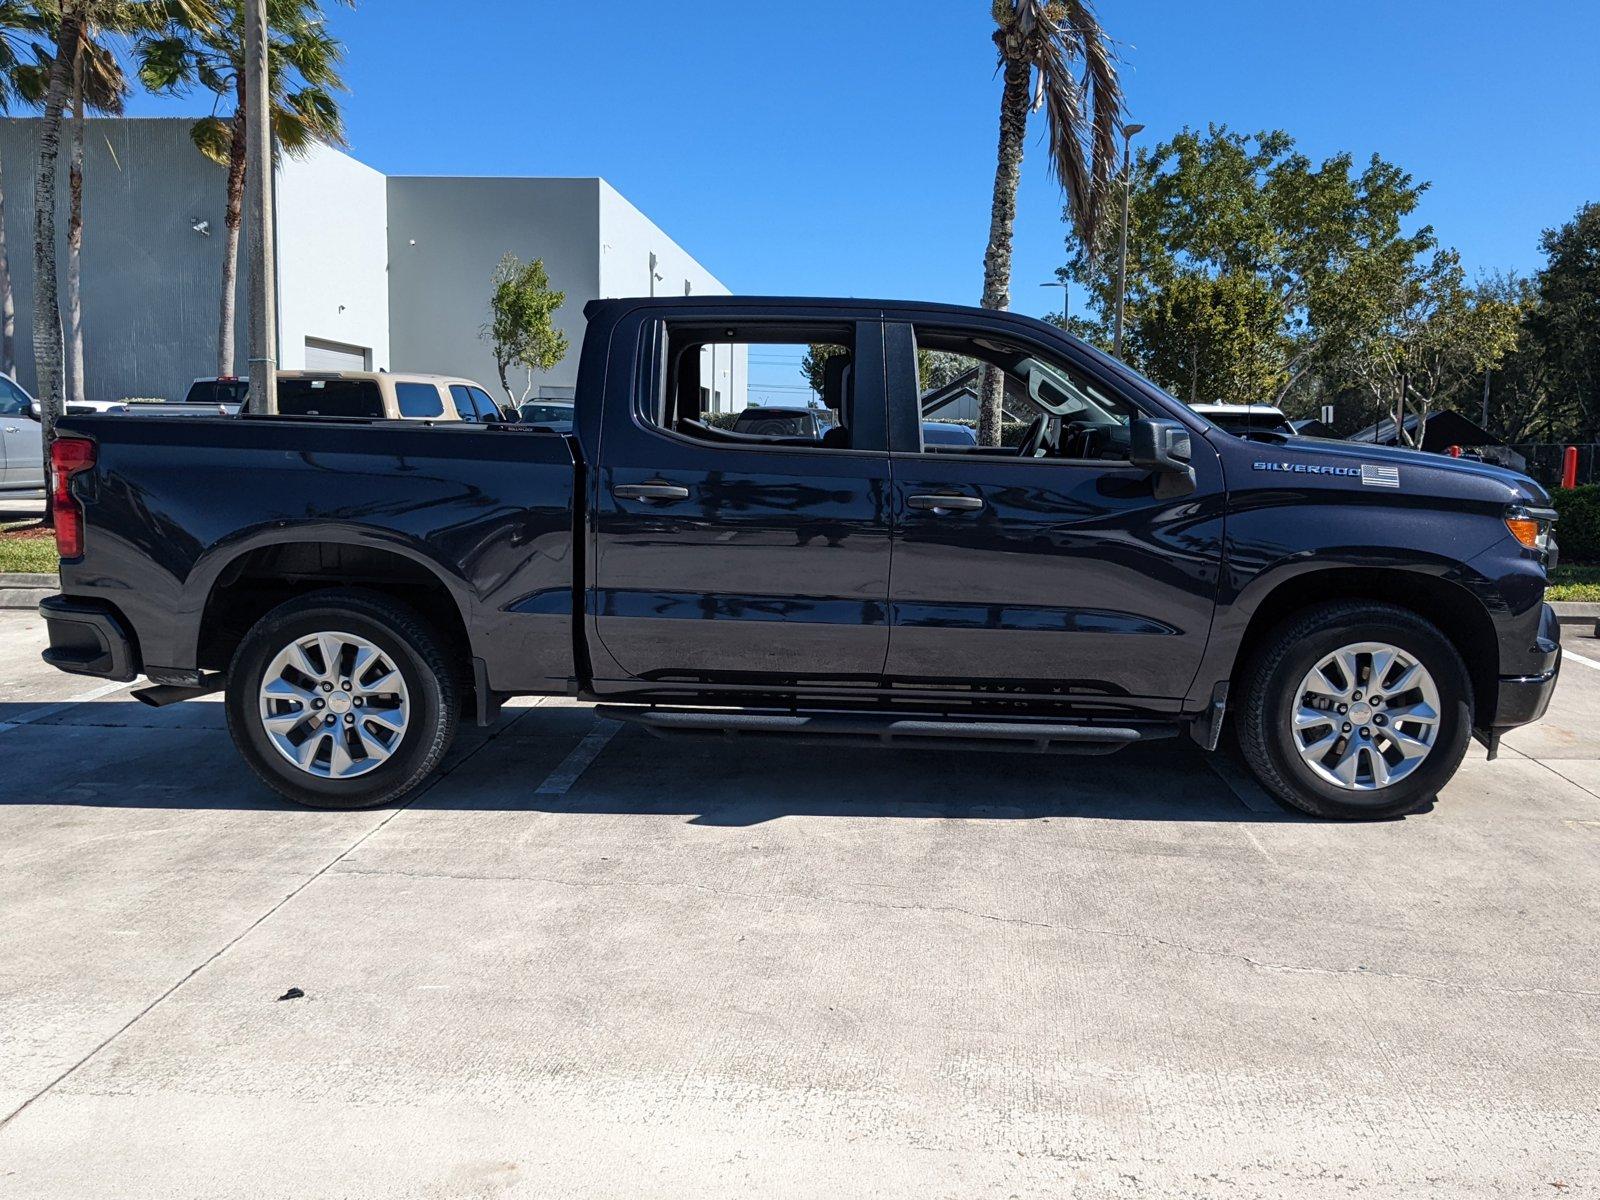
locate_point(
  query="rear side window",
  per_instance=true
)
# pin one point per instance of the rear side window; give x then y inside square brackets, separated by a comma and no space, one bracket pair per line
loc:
[329,398]
[419,400]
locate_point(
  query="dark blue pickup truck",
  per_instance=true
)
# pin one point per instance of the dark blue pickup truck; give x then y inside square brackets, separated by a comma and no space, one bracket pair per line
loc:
[1129,571]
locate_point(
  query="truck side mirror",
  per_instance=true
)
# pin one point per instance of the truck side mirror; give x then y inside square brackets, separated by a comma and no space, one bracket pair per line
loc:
[1163,445]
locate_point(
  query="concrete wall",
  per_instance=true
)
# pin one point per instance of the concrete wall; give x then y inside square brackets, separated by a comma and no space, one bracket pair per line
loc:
[446,234]
[634,252]
[333,257]
[151,285]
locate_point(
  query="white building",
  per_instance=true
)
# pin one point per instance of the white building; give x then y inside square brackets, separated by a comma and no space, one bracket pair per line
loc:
[375,271]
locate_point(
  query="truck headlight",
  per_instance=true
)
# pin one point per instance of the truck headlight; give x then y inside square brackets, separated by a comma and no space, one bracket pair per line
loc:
[1531,527]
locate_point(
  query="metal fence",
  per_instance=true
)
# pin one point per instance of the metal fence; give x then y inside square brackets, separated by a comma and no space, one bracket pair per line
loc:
[1544,461]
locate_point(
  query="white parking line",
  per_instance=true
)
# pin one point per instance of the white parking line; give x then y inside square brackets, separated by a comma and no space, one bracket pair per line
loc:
[559,781]
[50,710]
[1578,658]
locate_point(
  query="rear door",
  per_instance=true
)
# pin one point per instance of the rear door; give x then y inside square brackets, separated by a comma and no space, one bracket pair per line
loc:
[727,560]
[1050,570]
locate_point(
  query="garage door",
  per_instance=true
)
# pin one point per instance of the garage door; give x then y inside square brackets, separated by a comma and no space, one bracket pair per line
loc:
[336,356]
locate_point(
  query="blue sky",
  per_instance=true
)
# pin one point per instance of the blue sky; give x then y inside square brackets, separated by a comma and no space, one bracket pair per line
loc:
[847,146]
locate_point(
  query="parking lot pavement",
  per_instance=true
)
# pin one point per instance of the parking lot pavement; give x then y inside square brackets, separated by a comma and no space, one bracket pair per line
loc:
[783,972]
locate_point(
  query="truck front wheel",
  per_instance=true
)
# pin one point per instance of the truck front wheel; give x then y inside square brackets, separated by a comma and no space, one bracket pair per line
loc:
[342,699]
[1355,709]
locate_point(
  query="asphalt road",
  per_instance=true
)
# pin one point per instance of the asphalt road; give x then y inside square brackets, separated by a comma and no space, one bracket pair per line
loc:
[585,963]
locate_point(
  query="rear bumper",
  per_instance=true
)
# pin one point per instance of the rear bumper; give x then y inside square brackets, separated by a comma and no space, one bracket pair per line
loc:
[1523,699]
[88,639]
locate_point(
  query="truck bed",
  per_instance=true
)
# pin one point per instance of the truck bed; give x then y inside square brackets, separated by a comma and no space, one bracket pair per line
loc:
[178,508]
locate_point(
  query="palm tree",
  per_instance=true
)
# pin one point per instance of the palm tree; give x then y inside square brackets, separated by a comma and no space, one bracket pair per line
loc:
[303,70]
[21,80]
[74,27]
[1039,42]
[99,84]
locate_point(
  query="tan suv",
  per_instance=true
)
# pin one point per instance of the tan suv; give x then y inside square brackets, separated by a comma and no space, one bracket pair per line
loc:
[381,394]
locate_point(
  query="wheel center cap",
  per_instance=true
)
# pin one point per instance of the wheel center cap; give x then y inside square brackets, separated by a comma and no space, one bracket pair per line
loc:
[1361,713]
[338,703]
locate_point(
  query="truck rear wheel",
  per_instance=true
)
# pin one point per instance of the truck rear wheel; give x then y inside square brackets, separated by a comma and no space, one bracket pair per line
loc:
[342,699]
[1356,710]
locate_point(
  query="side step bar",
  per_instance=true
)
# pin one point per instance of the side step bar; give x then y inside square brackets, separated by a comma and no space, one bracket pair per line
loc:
[886,729]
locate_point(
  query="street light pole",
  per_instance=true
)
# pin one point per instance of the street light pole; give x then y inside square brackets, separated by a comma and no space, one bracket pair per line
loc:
[1122,253]
[1066,297]
[259,220]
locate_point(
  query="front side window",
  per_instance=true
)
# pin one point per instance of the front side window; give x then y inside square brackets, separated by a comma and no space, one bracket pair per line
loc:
[488,410]
[418,400]
[13,400]
[1048,410]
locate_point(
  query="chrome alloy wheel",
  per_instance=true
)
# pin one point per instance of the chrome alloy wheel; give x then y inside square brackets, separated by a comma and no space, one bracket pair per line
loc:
[1366,716]
[334,705]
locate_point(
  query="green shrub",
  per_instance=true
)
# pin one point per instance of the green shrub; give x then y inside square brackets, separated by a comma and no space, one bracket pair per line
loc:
[1578,529]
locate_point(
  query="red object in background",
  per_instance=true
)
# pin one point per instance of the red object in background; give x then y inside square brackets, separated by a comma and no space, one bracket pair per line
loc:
[1569,467]
[68,456]
[1454,451]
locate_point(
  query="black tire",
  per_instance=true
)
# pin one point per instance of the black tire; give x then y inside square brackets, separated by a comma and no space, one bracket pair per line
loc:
[1268,689]
[414,648]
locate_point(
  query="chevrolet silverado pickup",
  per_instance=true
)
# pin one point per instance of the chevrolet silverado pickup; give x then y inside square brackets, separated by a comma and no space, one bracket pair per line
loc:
[1351,614]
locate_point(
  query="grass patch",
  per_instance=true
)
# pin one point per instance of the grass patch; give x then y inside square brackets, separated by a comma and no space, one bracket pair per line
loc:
[28,547]
[1574,583]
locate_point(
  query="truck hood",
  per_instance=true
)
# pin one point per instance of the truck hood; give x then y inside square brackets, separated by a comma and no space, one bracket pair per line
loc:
[1421,471]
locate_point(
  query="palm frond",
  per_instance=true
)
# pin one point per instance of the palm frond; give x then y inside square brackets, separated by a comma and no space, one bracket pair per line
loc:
[1083,114]
[213,137]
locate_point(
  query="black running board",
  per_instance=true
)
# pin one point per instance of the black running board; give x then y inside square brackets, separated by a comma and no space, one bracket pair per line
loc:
[886,729]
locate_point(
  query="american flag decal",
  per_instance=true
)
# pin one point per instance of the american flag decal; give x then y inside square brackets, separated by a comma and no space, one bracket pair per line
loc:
[1380,476]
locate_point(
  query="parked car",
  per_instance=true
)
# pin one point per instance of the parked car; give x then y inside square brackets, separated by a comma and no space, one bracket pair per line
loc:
[948,433]
[773,421]
[230,391]
[384,395]
[555,415]
[21,439]
[1244,419]
[1128,572]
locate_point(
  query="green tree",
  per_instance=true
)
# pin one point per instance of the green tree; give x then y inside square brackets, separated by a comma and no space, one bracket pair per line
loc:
[1437,339]
[303,61]
[521,329]
[1039,42]
[1564,324]
[1252,270]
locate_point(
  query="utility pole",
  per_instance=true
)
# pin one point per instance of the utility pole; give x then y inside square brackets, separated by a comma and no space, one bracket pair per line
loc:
[259,220]
[1122,254]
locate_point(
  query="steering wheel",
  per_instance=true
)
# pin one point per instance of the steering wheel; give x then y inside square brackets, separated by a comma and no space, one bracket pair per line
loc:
[1033,439]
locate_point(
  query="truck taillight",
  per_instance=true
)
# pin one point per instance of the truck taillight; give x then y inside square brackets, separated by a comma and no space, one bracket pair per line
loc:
[68,456]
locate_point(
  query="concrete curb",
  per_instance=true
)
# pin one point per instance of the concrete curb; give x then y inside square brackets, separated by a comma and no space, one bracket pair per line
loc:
[26,590]
[1577,612]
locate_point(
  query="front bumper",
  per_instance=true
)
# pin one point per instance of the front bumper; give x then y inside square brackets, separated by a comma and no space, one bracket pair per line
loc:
[1523,699]
[88,639]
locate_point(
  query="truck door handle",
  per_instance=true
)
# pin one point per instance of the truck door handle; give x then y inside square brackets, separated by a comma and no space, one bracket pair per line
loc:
[940,505]
[650,491]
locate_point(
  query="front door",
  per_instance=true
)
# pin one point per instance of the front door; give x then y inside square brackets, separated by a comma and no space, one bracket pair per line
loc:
[732,559]
[21,439]
[1049,567]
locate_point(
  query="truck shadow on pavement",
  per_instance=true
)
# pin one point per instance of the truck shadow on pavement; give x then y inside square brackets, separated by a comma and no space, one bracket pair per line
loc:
[119,754]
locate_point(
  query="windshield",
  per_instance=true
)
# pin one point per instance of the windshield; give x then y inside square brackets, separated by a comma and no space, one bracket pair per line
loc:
[546,414]
[218,391]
